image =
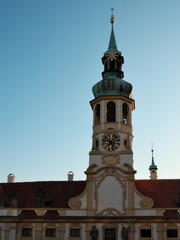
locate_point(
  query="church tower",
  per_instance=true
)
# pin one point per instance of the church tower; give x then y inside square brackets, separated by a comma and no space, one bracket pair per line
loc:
[112,112]
[153,168]
[110,187]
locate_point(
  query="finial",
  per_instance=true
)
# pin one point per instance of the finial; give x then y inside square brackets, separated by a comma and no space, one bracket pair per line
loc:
[112,16]
[152,149]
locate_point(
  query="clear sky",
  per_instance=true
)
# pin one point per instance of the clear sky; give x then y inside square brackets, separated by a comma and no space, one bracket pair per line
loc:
[50,57]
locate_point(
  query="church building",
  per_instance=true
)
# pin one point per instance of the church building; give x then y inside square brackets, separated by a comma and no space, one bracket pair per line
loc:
[110,204]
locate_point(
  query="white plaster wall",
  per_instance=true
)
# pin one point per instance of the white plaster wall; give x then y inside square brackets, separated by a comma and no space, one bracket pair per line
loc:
[75,212]
[9,212]
[15,212]
[12,234]
[95,159]
[136,201]
[83,200]
[147,212]
[110,194]
[154,231]
[83,231]
[66,231]
[126,158]
[3,212]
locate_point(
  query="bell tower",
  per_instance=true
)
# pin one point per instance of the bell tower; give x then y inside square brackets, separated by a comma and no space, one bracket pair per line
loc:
[112,112]
[110,189]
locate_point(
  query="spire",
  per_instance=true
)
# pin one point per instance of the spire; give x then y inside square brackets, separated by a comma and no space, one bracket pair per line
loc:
[152,166]
[112,41]
[112,83]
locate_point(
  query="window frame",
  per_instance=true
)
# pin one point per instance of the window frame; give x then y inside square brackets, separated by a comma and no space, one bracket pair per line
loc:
[25,230]
[75,232]
[110,229]
[146,237]
[171,230]
[51,231]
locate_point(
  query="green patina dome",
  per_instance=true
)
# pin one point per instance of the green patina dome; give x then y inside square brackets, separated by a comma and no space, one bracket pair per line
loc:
[112,82]
[152,166]
[114,86]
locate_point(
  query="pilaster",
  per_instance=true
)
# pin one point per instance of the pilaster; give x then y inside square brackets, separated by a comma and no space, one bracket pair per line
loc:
[6,232]
[131,231]
[119,113]
[38,231]
[102,112]
[160,231]
[62,231]
[88,230]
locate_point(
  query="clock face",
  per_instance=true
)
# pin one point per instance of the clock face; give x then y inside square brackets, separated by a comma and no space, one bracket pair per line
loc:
[111,141]
[112,56]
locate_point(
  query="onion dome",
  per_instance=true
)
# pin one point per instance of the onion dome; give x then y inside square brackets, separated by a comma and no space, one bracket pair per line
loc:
[112,82]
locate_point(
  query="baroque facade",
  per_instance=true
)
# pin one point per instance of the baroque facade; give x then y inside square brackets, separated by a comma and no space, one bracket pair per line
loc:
[110,204]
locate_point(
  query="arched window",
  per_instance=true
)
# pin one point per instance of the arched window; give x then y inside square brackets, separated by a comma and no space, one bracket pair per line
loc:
[112,65]
[111,112]
[97,114]
[125,113]
[97,144]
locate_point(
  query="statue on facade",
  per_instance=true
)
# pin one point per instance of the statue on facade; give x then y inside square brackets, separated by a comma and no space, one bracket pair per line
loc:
[124,233]
[40,198]
[94,233]
[13,200]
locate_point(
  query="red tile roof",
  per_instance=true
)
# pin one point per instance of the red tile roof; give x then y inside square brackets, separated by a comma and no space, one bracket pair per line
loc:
[57,193]
[164,192]
[171,214]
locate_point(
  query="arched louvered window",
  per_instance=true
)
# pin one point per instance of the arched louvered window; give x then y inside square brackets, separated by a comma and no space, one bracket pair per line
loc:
[112,65]
[125,113]
[111,112]
[97,114]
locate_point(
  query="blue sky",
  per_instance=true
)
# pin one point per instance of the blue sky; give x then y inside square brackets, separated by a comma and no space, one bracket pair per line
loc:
[51,57]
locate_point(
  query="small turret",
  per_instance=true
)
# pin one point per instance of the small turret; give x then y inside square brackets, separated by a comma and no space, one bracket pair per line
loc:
[153,168]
